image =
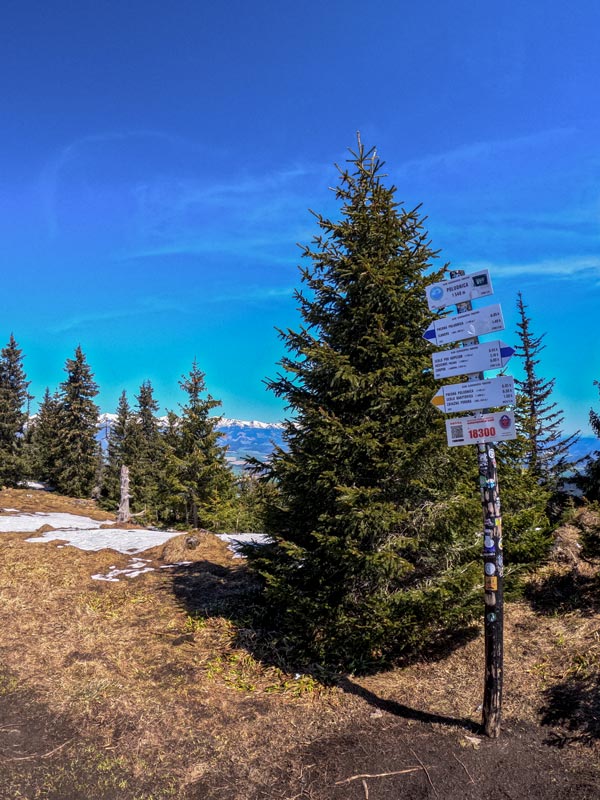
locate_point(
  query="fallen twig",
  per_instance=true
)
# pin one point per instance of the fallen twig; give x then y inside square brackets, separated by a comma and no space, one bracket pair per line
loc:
[377,775]
[44,755]
[464,767]
[366,788]
[426,772]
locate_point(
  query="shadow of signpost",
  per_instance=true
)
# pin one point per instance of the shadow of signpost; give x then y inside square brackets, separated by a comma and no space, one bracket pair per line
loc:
[207,589]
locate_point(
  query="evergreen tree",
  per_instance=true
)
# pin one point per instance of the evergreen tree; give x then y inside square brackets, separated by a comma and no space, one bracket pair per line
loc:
[77,457]
[13,416]
[253,497]
[538,419]
[526,527]
[375,520]
[591,480]
[201,483]
[45,439]
[119,451]
[147,453]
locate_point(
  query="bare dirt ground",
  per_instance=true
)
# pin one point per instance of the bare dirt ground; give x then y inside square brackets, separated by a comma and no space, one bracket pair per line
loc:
[143,690]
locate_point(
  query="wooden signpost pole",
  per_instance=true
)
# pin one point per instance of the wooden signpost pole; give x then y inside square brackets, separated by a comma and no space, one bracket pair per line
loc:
[493,568]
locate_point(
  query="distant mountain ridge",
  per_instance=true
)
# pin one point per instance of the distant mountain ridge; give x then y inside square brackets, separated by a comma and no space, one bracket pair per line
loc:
[253,438]
[243,438]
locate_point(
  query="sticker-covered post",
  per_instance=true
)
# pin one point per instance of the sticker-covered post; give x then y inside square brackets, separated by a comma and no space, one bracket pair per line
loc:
[493,568]
[482,429]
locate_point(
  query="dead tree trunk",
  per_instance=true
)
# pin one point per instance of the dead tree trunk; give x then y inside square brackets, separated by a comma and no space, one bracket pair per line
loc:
[124,514]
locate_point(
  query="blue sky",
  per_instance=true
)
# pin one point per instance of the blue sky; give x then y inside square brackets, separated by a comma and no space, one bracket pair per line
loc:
[158,161]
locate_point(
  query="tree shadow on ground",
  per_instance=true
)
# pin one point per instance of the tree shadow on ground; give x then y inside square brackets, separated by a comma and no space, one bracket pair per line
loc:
[563,592]
[574,705]
[206,589]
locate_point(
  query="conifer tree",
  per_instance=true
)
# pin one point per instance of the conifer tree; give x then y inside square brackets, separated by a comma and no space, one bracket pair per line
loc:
[77,448]
[375,520]
[591,480]
[147,453]
[539,420]
[119,451]
[45,439]
[525,502]
[13,415]
[201,483]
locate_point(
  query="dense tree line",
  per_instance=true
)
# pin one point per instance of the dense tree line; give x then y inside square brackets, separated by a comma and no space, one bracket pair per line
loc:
[178,469]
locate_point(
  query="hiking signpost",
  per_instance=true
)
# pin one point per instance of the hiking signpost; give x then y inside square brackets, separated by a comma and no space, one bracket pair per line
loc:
[473,395]
[482,428]
[466,360]
[447,330]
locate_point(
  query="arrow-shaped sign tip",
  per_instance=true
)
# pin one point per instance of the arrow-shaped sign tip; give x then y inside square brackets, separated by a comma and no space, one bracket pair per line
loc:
[507,352]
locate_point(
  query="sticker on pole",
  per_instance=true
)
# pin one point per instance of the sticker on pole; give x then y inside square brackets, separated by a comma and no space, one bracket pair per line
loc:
[497,427]
[459,290]
[448,330]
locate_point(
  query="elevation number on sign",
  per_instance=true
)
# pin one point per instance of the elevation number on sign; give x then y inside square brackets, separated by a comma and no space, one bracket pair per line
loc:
[459,290]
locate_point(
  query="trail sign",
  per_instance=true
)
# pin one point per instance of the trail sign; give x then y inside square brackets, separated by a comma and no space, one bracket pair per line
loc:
[467,360]
[464,326]
[459,290]
[476,395]
[497,427]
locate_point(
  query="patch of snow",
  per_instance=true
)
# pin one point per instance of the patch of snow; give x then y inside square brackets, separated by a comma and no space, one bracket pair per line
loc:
[33,485]
[236,540]
[9,510]
[25,523]
[176,564]
[135,567]
[119,539]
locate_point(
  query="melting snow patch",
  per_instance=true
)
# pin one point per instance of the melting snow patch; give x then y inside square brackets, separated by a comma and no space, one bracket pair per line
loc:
[236,540]
[25,523]
[120,539]
[135,567]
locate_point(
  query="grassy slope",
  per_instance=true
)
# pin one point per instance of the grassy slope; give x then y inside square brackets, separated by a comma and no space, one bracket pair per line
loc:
[148,698]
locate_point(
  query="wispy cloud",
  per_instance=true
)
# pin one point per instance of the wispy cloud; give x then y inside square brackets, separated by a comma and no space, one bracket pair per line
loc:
[581,268]
[86,148]
[144,306]
[460,157]
[148,192]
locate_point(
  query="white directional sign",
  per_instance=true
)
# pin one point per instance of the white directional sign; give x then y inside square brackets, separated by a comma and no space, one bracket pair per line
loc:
[463,326]
[459,290]
[475,395]
[498,427]
[467,360]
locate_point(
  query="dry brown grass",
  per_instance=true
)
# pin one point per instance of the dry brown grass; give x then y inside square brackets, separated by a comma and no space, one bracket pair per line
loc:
[174,693]
[161,688]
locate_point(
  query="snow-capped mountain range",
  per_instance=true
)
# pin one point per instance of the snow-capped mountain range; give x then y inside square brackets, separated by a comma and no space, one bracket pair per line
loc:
[243,437]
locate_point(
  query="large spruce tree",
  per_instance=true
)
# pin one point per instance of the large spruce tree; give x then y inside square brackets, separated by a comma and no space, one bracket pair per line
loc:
[375,522]
[77,447]
[13,413]
[539,420]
